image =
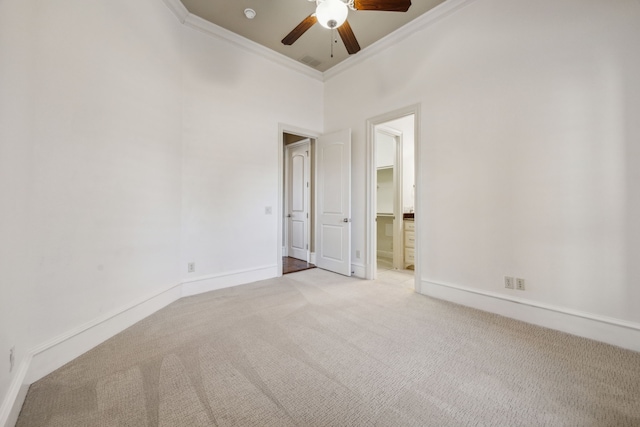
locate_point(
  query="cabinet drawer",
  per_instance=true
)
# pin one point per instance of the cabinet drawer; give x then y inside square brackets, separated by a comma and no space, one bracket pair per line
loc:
[409,256]
[409,239]
[409,226]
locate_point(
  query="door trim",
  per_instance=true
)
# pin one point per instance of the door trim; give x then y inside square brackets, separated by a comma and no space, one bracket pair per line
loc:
[370,207]
[282,129]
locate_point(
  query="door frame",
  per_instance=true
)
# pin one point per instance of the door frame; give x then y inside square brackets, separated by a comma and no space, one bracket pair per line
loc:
[287,208]
[282,129]
[370,189]
[398,251]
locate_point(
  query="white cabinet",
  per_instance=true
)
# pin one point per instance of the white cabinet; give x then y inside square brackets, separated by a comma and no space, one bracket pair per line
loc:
[409,243]
[384,195]
[385,150]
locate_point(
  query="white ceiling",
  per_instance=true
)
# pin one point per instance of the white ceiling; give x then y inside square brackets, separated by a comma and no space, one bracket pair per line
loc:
[276,18]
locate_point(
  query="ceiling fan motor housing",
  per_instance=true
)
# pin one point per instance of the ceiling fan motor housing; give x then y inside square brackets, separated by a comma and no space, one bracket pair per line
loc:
[331,13]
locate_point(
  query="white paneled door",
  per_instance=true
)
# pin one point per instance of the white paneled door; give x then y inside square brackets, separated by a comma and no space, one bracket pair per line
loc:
[333,225]
[298,200]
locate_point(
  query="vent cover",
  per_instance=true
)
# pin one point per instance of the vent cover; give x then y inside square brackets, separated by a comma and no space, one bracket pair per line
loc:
[312,62]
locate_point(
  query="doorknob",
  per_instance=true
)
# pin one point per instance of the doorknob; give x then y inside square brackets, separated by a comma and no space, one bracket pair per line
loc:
[346,220]
[288,215]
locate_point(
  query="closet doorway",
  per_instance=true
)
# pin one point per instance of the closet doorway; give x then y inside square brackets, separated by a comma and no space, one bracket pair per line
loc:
[391,196]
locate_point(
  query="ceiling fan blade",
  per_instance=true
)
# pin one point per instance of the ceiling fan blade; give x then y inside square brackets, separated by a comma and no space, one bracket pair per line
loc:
[300,29]
[349,39]
[383,5]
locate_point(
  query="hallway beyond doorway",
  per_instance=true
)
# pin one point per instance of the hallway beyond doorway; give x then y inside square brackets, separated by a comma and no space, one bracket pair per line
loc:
[293,265]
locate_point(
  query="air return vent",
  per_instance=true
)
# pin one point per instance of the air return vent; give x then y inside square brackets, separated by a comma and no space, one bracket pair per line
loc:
[312,62]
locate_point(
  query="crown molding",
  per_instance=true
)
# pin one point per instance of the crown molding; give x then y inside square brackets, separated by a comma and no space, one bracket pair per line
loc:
[431,17]
[195,22]
[216,31]
[436,14]
[178,9]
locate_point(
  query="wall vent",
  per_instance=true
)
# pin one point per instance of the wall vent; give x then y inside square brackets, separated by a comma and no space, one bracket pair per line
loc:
[312,62]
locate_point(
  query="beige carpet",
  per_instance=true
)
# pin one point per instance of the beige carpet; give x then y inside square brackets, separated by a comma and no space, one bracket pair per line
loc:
[318,349]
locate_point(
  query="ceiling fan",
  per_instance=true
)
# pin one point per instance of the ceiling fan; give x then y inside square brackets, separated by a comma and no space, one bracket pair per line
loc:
[332,14]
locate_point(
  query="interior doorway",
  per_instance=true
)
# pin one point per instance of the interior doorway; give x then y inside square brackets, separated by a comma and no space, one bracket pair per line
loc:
[298,188]
[391,195]
[297,199]
[330,199]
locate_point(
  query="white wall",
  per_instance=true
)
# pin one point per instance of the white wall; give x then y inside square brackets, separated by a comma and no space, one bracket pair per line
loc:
[119,126]
[106,160]
[529,147]
[91,123]
[16,146]
[232,106]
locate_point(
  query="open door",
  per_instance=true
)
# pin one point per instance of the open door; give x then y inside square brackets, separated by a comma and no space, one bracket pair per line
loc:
[333,225]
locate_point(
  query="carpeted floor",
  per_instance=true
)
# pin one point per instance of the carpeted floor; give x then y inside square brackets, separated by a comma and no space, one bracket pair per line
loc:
[318,349]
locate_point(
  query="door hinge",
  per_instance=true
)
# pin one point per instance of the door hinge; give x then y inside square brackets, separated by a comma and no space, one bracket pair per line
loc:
[307,184]
[307,247]
[307,153]
[307,215]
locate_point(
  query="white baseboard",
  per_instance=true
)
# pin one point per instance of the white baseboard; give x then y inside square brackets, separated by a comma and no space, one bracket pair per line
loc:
[60,350]
[16,394]
[312,258]
[358,270]
[226,280]
[55,353]
[600,328]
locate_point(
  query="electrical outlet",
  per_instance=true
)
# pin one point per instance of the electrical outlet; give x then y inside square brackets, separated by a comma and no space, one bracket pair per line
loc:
[268,210]
[191,267]
[357,254]
[12,358]
[508,282]
[520,284]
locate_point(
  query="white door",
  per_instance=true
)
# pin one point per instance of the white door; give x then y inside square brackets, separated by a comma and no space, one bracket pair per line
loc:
[298,175]
[333,225]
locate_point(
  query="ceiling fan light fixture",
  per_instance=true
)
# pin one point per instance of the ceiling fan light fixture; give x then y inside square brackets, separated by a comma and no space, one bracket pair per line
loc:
[331,13]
